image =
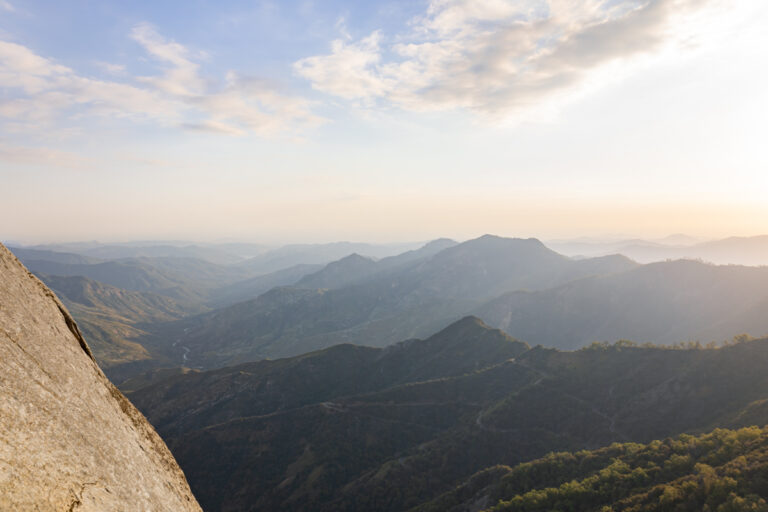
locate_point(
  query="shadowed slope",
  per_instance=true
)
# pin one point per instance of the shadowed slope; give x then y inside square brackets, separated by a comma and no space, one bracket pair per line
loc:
[356,428]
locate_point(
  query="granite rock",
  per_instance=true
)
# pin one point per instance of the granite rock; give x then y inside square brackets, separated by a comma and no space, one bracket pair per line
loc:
[69,440]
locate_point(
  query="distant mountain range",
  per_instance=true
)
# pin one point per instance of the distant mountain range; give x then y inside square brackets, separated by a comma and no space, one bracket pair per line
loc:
[356,428]
[252,287]
[213,253]
[728,251]
[234,313]
[377,303]
[141,275]
[296,254]
[666,302]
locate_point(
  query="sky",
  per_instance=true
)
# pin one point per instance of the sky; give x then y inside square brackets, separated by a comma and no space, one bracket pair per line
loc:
[310,121]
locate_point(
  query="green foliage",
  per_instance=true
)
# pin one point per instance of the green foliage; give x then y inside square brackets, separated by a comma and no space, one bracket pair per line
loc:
[715,472]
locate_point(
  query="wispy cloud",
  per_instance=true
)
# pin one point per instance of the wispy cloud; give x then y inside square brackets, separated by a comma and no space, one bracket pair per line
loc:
[245,105]
[112,69]
[341,27]
[46,157]
[494,57]
[43,91]
[236,106]
[6,6]
[181,77]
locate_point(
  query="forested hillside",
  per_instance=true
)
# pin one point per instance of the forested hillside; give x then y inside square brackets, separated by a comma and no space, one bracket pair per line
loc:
[723,471]
[354,428]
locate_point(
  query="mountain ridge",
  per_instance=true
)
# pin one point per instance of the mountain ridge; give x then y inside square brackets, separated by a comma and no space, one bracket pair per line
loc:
[405,301]
[343,445]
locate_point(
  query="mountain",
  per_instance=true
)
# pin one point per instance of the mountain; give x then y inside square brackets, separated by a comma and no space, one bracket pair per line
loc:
[193,402]
[665,302]
[728,251]
[253,287]
[340,273]
[423,253]
[357,428]
[129,275]
[734,250]
[407,300]
[186,279]
[129,306]
[489,265]
[196,273]
[112,318]
[356,268]
[209,254]
[71,440]
[267,386]
[64,258]
[296,254]
[589,248]
[429,249]
[215,252]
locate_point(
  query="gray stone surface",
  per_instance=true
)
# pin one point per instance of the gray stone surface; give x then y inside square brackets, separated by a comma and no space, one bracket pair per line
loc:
[69,440]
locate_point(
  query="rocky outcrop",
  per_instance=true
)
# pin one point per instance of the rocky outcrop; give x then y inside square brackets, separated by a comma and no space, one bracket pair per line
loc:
[69,440]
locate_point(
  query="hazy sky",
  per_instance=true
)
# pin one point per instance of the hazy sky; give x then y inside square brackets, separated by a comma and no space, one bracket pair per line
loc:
[378,121]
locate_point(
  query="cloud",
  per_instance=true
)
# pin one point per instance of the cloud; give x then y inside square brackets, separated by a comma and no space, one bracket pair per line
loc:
[495,57]
[6,6]
[246,105]
[181,78]
[112,69]
[41,92]
[341,26]
[210,126]
[23,155]
[351,70]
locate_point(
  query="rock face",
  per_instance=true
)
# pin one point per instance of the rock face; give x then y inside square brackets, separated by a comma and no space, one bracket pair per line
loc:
[69,440]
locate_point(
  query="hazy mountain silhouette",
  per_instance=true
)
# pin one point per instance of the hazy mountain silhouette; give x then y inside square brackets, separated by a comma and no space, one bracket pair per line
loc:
[180,278]
[402,301]
[65,258]
[253,287]
[733,250]
[122,251]
[664,302]
[296,254]
[340,273]
[356,268]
